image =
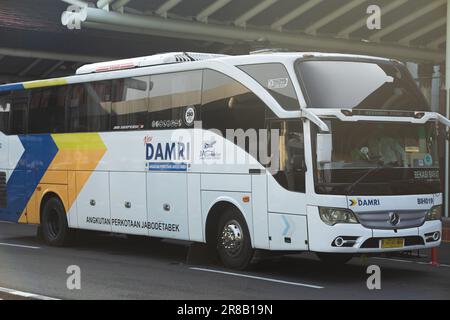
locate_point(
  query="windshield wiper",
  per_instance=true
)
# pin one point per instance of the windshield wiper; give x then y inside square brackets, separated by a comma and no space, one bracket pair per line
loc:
[351,187]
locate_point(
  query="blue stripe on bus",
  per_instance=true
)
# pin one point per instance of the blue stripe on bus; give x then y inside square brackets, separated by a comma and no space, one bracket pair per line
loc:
[38,154]
[9,87]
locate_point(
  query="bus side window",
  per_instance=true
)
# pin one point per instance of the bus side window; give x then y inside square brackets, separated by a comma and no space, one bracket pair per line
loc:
[275,79]
[89,106]
[76,103]
[99,103]
[130,103]
[5,109]
[291,171]
[18,114]
[175,99]
[47,110]
[227,104]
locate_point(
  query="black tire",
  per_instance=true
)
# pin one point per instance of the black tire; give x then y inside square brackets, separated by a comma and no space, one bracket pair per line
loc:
[234,254]
[54,226]
[338,259]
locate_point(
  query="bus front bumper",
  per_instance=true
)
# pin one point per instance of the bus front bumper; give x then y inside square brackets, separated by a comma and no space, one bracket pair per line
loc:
[354,238]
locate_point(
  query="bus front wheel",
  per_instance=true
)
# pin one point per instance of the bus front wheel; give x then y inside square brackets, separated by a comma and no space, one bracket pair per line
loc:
[233,241]
[54,227]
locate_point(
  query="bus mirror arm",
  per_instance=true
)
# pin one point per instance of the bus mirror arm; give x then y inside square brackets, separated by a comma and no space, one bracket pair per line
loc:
[443,120]
[305,113]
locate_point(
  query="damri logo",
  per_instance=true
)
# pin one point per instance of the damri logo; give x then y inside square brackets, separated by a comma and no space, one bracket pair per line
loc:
[364,202]
[166,156]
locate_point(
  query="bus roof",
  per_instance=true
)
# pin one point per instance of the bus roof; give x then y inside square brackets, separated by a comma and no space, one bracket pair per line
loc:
[117,66]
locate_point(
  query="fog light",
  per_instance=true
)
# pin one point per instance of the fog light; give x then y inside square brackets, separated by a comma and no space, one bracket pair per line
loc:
[339,242]
[436,236]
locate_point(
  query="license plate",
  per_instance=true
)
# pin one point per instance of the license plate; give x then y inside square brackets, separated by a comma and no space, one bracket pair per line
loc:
[392,243]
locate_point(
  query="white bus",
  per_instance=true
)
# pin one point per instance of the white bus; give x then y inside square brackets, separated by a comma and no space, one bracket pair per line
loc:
[329,153]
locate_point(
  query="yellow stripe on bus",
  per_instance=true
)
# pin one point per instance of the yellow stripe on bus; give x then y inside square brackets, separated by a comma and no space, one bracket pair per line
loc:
[80,141]
[44,83]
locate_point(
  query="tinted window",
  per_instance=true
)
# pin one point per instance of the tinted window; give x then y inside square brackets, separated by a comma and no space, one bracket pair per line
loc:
[18,114]
[291,155]
[174,99]
[5,108]
[47,110]
[227,104]
[359,85]
[130,103]
[89,107]
[275,79]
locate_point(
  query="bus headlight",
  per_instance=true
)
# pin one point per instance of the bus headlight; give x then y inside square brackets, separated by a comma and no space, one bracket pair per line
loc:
[434,213]
[332,216]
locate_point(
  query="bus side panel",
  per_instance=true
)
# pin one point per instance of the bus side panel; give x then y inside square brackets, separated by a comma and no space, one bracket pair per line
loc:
[210,198]
[29,158]
[72,193]
[34,205]
[167,205]
[194,208]
[260,216]
[93,203]
[128,202]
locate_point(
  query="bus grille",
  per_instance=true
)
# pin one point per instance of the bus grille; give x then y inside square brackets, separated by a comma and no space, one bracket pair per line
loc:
[380,219]
[3,195]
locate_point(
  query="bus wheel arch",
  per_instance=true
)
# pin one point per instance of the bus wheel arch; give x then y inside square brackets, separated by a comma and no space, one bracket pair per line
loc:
[54,228]
[226,219]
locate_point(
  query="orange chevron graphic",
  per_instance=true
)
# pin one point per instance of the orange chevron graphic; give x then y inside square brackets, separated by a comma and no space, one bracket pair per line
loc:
[76,152]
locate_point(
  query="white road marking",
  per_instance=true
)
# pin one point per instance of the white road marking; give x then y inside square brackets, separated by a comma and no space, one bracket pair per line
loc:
[18,245]
[26,294]
[445,265]
[258,278]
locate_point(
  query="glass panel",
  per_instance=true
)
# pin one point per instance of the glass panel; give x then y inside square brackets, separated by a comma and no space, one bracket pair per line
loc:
[5,109]
[227,104]
[291,172]
[89,107]
[275,79]
[47,110]
[19,108]
[360,85]
[174,99]
[377,159]
[130,103]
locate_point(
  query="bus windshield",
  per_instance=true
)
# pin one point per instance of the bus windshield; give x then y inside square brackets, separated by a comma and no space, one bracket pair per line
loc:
[359,84]
[374,158]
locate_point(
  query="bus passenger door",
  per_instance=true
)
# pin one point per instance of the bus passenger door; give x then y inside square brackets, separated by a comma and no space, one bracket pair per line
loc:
[286,198]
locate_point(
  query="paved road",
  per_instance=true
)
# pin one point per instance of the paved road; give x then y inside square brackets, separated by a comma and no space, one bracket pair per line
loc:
[116,268]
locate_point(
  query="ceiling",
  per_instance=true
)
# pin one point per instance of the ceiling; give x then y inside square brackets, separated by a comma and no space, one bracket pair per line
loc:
[35,44]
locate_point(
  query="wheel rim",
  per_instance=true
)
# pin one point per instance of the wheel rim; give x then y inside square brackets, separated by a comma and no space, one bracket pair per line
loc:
[53,224]
[232,238]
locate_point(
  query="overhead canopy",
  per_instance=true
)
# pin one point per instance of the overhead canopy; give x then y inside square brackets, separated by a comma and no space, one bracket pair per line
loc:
[35,44]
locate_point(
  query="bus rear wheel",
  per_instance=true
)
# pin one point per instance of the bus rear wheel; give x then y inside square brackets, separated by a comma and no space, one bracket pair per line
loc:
[233,241]
[54,227]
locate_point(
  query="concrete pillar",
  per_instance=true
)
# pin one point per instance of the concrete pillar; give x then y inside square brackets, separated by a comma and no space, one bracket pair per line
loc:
[447,89]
